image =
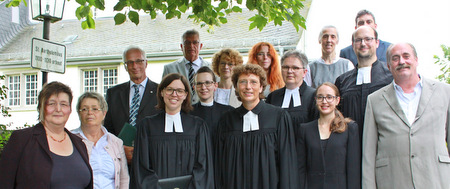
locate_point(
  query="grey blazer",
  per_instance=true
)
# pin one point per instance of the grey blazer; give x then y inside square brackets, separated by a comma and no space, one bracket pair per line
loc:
[397,154]
[179,66]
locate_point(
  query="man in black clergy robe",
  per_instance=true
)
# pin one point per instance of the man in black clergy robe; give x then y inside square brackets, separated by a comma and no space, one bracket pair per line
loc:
[120,96]
[296,97]
[255,145]
[369,76]
[207,109]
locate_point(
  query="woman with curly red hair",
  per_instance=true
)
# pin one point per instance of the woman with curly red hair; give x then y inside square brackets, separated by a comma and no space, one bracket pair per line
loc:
[265,55]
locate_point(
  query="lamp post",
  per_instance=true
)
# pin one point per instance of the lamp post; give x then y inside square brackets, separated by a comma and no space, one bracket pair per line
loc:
[47,11]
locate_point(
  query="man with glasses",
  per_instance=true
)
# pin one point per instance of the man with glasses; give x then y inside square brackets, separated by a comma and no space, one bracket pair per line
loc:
[296,97]
[206,108]
[407,128]
[329,66]
[370,75]
[191,62]
[131,101]
[365,18]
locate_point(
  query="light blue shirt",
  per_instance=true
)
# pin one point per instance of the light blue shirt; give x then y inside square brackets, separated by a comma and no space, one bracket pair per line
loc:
[409,101]
[101,163]
[141,90]
[196,64]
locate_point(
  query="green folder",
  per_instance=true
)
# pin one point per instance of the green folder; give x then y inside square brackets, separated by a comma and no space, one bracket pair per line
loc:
[128,134]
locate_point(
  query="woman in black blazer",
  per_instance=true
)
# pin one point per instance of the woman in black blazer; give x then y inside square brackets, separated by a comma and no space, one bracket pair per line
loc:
[328,149]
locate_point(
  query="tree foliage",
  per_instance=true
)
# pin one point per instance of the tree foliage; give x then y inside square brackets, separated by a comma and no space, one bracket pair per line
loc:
[444,63]
[208,13]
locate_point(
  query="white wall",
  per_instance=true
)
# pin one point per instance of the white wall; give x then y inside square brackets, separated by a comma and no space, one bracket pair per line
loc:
[425,24]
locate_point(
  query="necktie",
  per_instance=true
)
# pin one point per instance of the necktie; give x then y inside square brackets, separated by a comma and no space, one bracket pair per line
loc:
[134,105]
[191,78]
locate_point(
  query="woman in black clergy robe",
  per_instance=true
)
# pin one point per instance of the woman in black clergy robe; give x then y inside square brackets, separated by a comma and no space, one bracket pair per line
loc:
[328,149]
[172,143]
[256,142]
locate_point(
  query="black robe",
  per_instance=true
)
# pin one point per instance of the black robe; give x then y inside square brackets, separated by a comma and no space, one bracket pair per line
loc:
[261,159]
[354,97]
[159,155]
[211,114]
[304,113]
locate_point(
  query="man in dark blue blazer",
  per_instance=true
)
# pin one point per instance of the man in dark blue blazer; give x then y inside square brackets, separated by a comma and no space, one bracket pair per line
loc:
[365,18]
[120,96]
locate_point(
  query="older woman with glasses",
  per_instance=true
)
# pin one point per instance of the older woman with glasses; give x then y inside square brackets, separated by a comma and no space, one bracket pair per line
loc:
[47,155]
[172,143]
[328,149]
[222,64]
[106,153]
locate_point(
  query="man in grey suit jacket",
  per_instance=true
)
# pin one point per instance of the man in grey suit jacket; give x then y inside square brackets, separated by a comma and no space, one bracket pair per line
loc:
[406,128]
[191,46]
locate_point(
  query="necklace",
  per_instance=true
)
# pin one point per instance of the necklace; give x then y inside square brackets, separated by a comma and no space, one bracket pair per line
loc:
[58,140]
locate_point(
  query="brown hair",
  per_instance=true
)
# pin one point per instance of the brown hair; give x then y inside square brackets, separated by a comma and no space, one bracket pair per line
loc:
[274,78]
[231,55]
[49,89]
[339,123]
[249,69]
[166,81]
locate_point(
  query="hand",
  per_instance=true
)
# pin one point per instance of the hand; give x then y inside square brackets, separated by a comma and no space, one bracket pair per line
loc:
[128,153]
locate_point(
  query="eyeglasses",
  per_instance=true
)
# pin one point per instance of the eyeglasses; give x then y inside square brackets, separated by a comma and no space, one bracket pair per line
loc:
[180,92]
[245,82]
[223,64]
[294,68]
[366,40]
[191,43]
[86,110]
[138,61]
[328,98]
[206,83]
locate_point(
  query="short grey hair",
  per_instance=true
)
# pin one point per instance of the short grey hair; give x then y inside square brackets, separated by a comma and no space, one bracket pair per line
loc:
[189,33]
[93,95]
[389,49]
[326,27]
[296,54]
[130,48]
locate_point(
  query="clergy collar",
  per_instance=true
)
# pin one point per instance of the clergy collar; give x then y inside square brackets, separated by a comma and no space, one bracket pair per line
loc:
[257,109]
[364,75]
[173,121]
[250,122]
[209,104]
[293,94]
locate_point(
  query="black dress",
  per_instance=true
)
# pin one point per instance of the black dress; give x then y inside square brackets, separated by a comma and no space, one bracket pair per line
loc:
[158,154]
[211,114]
[338,166]
[261,159]
[354,97]
[304,113]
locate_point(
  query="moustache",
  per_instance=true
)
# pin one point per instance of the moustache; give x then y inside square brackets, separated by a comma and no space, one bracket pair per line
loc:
[401,66]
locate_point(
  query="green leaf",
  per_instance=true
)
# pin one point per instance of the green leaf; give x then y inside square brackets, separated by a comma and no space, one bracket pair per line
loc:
[237,9]
[153,14]
[252,26]
[239,2]
[120,5]
[182,8]
[223,5]
[134,17]
[250,5]
[119,18]
[84,25]
[223,20]
[90,22]
[100,4]
[79,12]
[81,2]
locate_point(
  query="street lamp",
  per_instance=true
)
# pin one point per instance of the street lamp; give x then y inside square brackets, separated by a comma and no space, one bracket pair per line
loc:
[47,11]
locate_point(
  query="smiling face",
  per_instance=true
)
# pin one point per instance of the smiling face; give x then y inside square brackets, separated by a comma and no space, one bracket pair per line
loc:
[93,115]
[403,62]
[329,40]
[225,67]
[174,99]
[204,92]
[264,58]
[135,65]
[326,105]
[365,43]
[249,88]
[191,47]
[293,72]
[57,110]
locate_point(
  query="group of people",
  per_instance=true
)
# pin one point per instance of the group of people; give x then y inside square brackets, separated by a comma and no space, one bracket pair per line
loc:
[366,120]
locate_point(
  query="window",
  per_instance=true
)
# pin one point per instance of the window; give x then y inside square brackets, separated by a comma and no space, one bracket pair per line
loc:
[22,89]
[99,79]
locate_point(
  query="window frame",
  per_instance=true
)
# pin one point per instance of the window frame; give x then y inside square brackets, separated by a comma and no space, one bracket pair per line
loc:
[22,104]
[100,76]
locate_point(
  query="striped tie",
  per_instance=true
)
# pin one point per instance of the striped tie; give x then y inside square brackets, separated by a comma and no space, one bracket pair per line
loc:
[134,105]
[191,78]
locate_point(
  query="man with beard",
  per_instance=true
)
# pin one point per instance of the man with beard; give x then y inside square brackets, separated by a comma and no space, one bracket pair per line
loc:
[369,76]
[406,128]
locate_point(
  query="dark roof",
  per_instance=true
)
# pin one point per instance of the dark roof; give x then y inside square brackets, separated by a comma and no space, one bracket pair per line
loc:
[153,36]
[9,29]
